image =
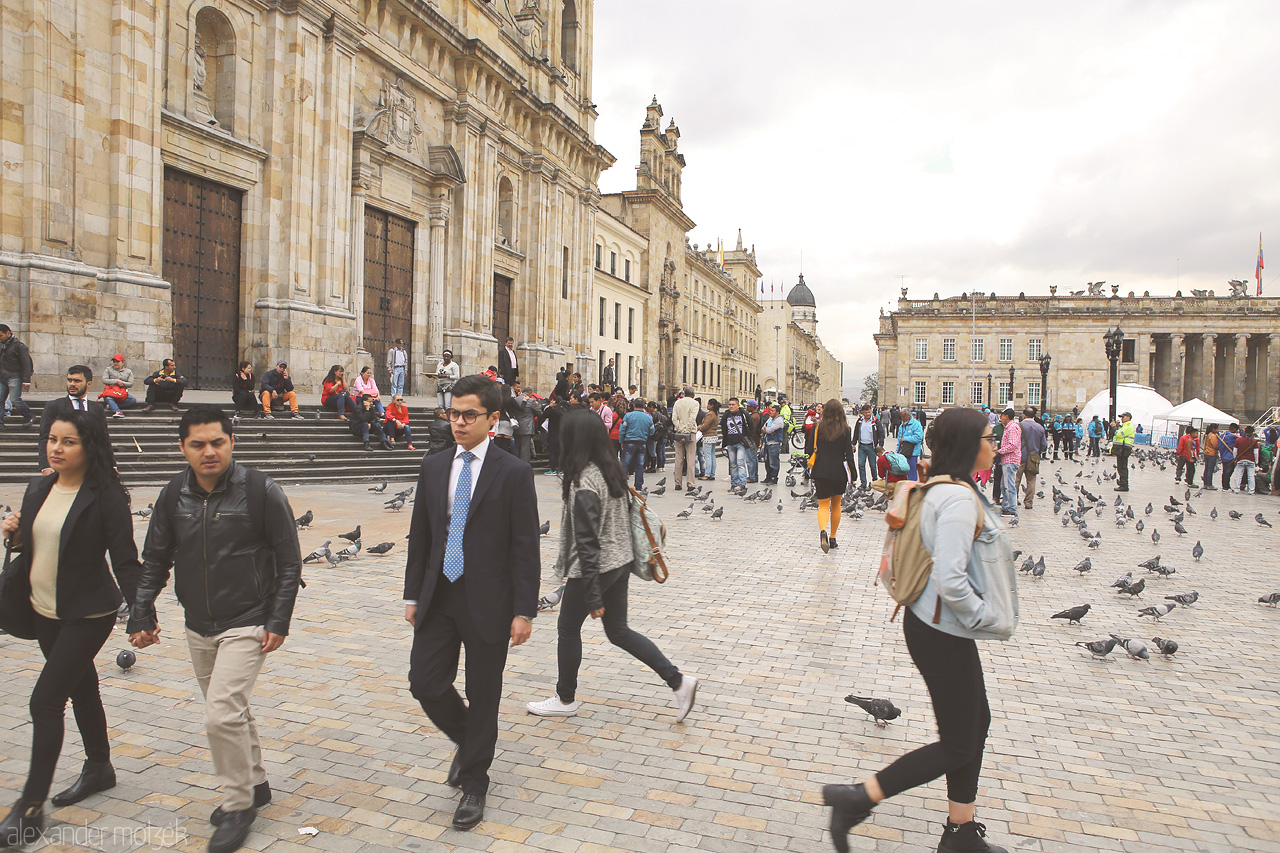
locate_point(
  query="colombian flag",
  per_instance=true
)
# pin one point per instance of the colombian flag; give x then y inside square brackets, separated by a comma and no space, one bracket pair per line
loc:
[1257,273]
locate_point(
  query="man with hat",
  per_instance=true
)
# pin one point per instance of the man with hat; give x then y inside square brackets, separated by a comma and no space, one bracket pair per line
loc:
[116,382]
[447,373]
[1122,446]
[277,387]
[15,375]
[397,366]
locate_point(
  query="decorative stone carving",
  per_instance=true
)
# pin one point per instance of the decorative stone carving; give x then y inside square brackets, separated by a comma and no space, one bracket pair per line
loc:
[199,71]
[1239,289]
[1095,287]
[395,123]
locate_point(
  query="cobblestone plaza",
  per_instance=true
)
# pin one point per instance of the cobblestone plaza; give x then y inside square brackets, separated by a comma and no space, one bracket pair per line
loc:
[1126,755]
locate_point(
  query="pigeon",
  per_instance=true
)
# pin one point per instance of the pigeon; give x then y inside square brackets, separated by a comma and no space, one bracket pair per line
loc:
[1027,564]
[1179,518]
[1123,581]
[318,554]
[1085,565]
[126,659]
[1179,529]
[1038,569]
[352,536]
[305,520]
[545,528]
[1213,513]
[659,491]
[881,710]
[1139,527]
[144,513]
[1165,647]
[1157,611]
[551,599]
[1150,509]
[311,457]
[1174,501]
[1128,513]
[352,550]
[661,482]
[380,548]
[685,513]
[1270,599]
[709,506]
[1258,518]
[1073,615]
[1198,550]
[1190,510]
[1150,564]
[235,421]
[1155,537]
[1136,648]
[1135,588]
[1017,554]
[317,414]
[1096,541]
[1099,648]
[1236,516]
[1164,571]
[1186,599]
[396,503]
[779,504]
[380,488]
[719,513]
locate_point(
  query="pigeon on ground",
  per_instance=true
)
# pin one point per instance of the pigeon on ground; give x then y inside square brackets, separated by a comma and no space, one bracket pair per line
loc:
[1150,564]
[1178,528]
[396,503]
[318,554]
[1096,541]
[126,659]
[1099,648]
[311,457]
[1150,509]
[1165,647]
[709,505]
[381,548]
[1038,570]
[1198,550]
[1271,599]
[551,599]
[1085,565]
[1136,648]
[317,414]
[1174,501]
[352,536]
[1124,581]
[1073,615]
[545,528]
[661,482]
[881,710]
[1027,564]
[1157,611]
[1179,518]
[779,504]
[305,520]
[1236,516]
[146,513]
[1017,554]
[659,491]
[380,488]
[1139,527]
[1164,571]
[1258,518]
[352,550]
[685,513]
[1155,537]
[1213,513]
[1135,589]
[1191,510]
[235,421]
[1186,599]
[1128,513]
[719,513]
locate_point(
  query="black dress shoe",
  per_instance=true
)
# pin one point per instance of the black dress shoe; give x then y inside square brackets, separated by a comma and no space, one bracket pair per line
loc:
[232,831]
[261,796]
[24,825]
[94,777]
[454,779]
[850,806]
[470,812]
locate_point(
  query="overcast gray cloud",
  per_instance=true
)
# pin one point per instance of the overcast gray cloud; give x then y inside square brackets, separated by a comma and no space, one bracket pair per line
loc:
[996,146]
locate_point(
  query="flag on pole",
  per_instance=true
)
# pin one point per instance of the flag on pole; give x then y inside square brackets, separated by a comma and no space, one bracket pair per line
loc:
[720,250]
[1257,273]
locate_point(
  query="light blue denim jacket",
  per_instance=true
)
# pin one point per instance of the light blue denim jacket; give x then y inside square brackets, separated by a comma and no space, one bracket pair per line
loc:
[968,609]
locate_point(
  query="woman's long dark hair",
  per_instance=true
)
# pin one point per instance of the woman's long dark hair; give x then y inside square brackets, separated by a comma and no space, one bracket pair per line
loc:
[833,421]
[583,440]
[956,436]
[333,373]
[101,474]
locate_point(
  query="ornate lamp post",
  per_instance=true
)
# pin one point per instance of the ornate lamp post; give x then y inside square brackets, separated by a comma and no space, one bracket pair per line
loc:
[1114,344]
[1009,402]
[991,404]
[1044,383]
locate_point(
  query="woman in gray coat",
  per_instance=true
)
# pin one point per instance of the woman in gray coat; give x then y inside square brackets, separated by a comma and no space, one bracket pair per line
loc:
[940,629]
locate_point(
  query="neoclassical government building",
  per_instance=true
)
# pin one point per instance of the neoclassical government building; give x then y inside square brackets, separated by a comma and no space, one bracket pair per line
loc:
[301,181]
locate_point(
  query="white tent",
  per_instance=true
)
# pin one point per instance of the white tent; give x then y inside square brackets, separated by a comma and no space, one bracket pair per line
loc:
[1143,402]
[1196,410]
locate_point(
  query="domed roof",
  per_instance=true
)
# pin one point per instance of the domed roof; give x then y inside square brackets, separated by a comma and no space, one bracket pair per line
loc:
[801,296]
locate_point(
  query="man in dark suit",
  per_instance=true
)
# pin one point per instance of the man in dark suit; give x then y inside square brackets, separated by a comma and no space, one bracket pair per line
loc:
[508,367]
[470,584]
[78,378]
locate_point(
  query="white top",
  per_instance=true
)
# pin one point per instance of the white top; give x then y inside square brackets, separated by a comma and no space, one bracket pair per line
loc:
[456,471]
[512,354]
[46,530]
[451,369]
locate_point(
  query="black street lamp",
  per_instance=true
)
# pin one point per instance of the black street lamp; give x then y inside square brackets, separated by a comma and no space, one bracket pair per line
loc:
[1009,402]
[1044,383]
[1114,345]
[990,403]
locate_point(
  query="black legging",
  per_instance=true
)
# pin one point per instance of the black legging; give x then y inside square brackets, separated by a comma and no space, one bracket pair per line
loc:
[953,674]
[573,612]
[69,648]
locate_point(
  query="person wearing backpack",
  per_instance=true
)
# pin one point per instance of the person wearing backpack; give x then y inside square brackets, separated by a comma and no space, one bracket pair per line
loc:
[940,627]
[833,465]
[595,562]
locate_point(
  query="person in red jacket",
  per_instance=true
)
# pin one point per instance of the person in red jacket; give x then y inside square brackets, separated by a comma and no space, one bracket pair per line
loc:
[396,423]
[1188,453]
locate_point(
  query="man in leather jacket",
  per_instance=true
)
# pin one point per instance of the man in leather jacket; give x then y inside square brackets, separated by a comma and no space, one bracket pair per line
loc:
[439,434]
[228,534]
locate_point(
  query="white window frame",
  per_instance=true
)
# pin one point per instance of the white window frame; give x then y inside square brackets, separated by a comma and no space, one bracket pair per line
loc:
[921,397]
[1033,393]
[1003,393]
[951,343]
[977,392]
[978,349]
[948,392]
[921,349]
[1006,345]
[1035,348]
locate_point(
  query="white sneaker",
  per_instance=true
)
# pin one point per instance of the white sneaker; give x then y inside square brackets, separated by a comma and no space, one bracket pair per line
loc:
[118,415]
[685,694]
[552,707]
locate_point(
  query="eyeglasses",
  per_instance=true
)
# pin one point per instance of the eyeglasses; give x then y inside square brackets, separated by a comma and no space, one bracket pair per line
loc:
[991,438]
[467,417]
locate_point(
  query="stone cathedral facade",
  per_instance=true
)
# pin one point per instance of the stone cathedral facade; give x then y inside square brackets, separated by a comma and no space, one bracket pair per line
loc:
[298,181]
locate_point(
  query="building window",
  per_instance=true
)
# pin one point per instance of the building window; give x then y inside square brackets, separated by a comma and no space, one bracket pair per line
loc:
[1033,349]
[922,349]
[569,35]
[977,393]
[1033,394]
[1002,397]
[602,364]
[603,303]
[684,370]
[704,373]
[564,275]
[631,370]
[617,322]
[599,256]
[506,212]
[921,391]
[977,349]
[719,381]
[1006,349]
[631,325]
[948,393]
[613,264]
[1129,350]
[948,349]
[626,269]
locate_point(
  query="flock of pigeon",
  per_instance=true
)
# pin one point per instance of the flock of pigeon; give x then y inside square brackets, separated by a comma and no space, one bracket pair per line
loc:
[353,537]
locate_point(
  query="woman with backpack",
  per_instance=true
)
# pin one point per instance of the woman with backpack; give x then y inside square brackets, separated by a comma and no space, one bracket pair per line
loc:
[595,561]
[833,448]
[940,627]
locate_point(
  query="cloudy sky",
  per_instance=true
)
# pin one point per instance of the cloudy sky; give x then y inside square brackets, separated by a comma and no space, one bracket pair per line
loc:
[998,146]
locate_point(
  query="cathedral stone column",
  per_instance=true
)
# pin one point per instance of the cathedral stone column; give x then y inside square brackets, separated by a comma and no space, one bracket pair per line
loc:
[1208,358]
[1272,390]
[1176,355]
[439,217]
[1238,378]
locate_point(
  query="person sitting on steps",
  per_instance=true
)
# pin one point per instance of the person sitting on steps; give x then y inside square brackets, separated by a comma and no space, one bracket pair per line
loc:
[166,385]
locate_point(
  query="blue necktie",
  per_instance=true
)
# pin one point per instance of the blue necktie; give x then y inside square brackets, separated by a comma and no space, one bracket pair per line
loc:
[458,521]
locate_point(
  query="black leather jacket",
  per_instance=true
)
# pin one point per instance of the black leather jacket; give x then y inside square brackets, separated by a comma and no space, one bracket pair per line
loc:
[440,436]
[225,575]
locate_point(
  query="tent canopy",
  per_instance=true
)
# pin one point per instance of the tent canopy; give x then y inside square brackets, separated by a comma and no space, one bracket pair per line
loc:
[1142,401]
[1196,410]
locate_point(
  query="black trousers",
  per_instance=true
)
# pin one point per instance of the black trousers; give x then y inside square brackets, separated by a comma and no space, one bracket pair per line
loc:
[1228,468]
[573,612]
[69,648]
[161,394]
[953,673]
[433,667]
[246,401]
[1190,466]
[997,482]
[1122,463]
[1095,450]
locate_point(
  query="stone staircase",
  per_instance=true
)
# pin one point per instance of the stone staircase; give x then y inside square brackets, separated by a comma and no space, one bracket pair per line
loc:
[146,448]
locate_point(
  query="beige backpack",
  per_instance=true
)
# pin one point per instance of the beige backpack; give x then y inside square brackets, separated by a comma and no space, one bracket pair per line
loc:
[906,564]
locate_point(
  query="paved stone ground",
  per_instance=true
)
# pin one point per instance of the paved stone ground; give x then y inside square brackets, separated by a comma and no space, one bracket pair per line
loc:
[1121,756]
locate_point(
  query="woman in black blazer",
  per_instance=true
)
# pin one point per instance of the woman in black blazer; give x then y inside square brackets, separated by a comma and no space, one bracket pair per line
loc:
[69,521]
[833,447]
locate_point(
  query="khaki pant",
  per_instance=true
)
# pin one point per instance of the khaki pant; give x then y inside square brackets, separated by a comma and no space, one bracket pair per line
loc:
[684,461]
[1028,470]
[227,666]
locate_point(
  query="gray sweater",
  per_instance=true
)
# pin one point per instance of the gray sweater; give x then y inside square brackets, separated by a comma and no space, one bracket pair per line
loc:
[122,377]
[614,533]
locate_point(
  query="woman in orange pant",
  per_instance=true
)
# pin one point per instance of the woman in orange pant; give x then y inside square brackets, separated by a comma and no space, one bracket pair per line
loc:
[835,464]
